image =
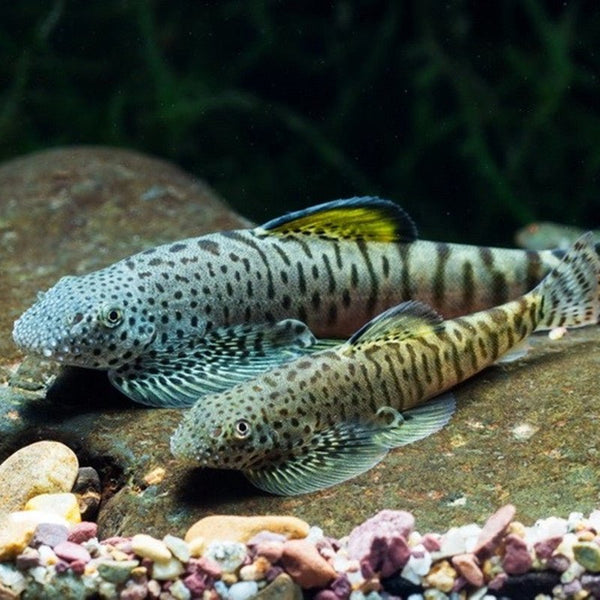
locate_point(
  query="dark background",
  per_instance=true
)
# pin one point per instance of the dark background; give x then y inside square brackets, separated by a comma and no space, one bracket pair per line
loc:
[477,117]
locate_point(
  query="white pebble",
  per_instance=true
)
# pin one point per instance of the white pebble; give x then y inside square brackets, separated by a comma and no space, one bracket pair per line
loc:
[228,555]
[243,590]
[164,570]
[149,547]
[315,534]
[178,547]
[47,556]
[179,591]
[11,578]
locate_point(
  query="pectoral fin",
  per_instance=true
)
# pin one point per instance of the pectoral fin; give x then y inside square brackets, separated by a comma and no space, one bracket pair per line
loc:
[349,449]
[221,359]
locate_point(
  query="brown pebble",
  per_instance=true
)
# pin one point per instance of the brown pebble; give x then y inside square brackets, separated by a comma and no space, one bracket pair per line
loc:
[468,566]
[305,565]
[493,530]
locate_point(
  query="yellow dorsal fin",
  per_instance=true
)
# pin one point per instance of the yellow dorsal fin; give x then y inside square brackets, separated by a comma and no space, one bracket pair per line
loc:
[369,219]
[401,322]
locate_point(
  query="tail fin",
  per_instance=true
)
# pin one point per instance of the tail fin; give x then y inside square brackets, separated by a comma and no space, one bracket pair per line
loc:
[571,292]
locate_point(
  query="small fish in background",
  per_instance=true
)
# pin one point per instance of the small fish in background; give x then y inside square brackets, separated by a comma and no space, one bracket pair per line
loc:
[322,419]
[546,235]
[200,315]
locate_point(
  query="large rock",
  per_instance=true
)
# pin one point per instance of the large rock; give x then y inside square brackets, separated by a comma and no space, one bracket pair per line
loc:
[524,433]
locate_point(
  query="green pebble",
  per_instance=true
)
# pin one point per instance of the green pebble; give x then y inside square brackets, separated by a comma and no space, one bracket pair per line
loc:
[587,554]
[117,571]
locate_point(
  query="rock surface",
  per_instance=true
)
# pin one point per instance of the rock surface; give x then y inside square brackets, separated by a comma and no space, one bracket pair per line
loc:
[524,432]
[39,468]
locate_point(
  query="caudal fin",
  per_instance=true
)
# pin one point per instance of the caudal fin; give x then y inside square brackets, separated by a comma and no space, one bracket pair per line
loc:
[571,292]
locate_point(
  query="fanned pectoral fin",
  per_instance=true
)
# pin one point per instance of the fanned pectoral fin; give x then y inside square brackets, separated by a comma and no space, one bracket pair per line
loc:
[343,452]
[415,424]
[349,449]
[223,358]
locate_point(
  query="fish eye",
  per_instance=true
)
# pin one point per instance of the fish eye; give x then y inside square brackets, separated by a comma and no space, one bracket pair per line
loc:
[242,429]
[112,316]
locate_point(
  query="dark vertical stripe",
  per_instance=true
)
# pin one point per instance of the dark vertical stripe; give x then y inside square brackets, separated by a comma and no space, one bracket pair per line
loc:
[468,285]
[405,287]
[329,273]
[534,270]
[374,291]
[439,278]
[301,279]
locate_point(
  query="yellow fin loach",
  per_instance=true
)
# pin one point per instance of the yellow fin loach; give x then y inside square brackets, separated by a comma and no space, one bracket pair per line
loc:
[197,316]
[321,419]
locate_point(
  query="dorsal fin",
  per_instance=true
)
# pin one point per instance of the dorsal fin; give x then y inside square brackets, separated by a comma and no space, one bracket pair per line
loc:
[400,322]
[368,218]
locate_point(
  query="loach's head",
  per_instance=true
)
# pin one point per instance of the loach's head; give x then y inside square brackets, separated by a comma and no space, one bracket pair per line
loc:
[228,431]
[88,321]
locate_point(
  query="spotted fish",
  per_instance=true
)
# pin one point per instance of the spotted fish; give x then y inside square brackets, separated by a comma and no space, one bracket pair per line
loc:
[197,316]
[319,420]
[544,235]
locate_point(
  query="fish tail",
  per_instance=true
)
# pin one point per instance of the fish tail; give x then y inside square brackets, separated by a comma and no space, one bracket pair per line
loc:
[570,294]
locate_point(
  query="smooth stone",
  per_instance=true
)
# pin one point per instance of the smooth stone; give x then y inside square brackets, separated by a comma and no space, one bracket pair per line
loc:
[39,468]
[281,588]
[49,534]
[493,530]
[517,559]
[178,547]
[243,590]
[305,565]
[149,547]
[386,524]
[63,505]
[165,570]
[17,528]
[587,554]
[468,567]
[71,552]
[242,529]
[116,571]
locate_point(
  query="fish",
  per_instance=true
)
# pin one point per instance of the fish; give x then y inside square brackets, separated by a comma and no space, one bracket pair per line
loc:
[546,235]
[319,420]
[199,315]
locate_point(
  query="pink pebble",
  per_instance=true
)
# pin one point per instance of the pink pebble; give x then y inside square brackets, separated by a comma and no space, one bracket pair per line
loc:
[270,550]
[82,532]
[210,567]
[545,548]
[517,559]
[431,542]
[468,567]
[70,552]
[78,567]
[305,565]
[386,524]
[493,530]
[196,583]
